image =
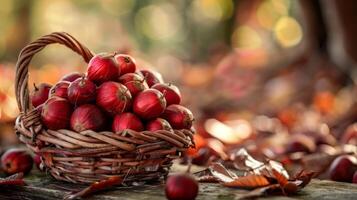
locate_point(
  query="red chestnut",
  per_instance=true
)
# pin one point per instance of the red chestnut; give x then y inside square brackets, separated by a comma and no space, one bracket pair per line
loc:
[343,168]
[81,91]
[126,63]
[40,94]
[149,104]
[72,76]
[134,82]
[113,97]
[16,160]
[87,117]
[181,187]
[301,143]
[171,92]
[127,121]
[178,116]
[60,89]
[158,124]
[151,77]
[103,67]
[56,113]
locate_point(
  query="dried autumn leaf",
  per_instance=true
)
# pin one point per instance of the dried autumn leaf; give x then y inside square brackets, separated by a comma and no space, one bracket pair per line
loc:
[289,188]
[205,172]
[221,173]
[242,160]
[248,182]
[280,178]
[14,176]
[274,189]
[205,176]
[95,187]
[305,178]
[16,179]
[286,186]
[278,167]
[207,179]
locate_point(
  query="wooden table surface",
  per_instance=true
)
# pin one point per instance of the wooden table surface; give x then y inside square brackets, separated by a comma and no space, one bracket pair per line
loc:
[42,187]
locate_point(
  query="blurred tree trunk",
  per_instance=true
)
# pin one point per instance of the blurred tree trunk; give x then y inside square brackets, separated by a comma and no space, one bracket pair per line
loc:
[331,30]
[316,35]
[19,33]
[341,19]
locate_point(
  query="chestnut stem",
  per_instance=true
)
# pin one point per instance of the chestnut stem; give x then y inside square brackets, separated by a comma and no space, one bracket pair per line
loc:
[34,85]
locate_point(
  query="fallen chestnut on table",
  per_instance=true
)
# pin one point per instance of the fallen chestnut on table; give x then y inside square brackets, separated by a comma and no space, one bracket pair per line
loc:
[343,168]
[16,160]
[181,187]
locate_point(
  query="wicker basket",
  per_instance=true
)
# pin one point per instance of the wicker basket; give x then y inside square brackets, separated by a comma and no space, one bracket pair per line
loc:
[91,156]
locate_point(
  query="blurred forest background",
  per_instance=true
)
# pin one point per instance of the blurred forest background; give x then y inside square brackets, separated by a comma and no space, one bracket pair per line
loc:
[244,67]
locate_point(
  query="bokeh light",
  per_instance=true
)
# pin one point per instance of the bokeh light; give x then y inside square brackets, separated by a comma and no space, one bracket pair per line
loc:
[269,11]
[245,37]
[212,10]
[117,8]
[288,32]
[158,22]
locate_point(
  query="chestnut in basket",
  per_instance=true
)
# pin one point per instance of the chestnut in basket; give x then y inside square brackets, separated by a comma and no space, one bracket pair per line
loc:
[151,77]
[178,116]
[40,94]
[134,82]
[81,91]
[113,97]
[126,63]
[87,117]
[127,121]
[149,104]
[171,92]
[102,67]
[60,89]
[56,113]
[158,124]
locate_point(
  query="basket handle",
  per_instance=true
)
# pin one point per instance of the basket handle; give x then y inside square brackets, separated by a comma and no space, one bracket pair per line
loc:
[25,57]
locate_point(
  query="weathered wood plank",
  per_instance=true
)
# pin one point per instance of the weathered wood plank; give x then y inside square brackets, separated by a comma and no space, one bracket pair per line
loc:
[42,187]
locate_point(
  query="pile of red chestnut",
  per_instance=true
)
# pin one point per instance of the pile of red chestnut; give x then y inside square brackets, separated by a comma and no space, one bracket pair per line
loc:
[112,93]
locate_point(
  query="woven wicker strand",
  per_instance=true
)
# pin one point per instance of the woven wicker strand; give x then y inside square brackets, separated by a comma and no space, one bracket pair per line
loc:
[91,156]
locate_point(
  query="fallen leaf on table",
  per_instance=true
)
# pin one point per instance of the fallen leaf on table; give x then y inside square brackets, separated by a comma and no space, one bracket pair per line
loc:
[267,178]
[248,182]
[16,179]
[305,177]
[243,161]
[285,187]
[221,173]
[205,176]
[280,178]
[95,187]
